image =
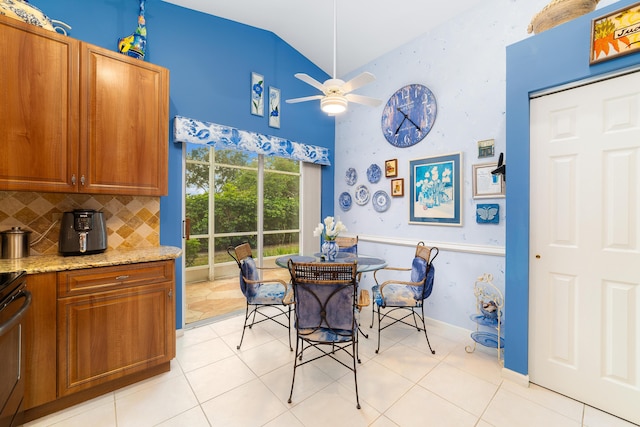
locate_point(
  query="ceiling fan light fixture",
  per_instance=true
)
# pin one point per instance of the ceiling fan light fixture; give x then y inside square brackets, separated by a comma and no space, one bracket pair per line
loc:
[334,104]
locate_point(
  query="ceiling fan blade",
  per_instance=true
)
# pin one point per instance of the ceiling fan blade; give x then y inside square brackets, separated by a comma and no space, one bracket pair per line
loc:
[360,99]
[303,99]
[310,81]
[358,81]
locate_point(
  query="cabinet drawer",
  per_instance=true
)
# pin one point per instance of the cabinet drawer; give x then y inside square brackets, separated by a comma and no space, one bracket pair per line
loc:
[91,280]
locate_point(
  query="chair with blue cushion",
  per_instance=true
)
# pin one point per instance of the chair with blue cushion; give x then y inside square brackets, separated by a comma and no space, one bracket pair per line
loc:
[326,314]
[348,245]
[394,300]
[263,294]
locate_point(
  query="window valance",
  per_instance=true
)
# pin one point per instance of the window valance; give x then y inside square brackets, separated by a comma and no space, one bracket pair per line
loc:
[198,132]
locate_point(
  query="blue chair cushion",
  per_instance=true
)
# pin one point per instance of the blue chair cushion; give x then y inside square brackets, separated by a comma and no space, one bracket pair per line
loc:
[258,293]
[403,295]
[327,335]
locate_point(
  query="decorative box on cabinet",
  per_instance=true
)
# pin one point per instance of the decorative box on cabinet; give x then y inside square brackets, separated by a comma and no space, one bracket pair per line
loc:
[488,316]
[80,118]
[113,322]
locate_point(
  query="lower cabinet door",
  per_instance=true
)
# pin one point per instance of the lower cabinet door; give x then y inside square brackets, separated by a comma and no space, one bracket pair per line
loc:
[108,335]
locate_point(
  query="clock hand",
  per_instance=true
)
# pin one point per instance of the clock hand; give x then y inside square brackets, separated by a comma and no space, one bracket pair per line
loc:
[406,117]
[400,125]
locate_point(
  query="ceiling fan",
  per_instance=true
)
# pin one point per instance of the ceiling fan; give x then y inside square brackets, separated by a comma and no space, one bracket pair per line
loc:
[337,93]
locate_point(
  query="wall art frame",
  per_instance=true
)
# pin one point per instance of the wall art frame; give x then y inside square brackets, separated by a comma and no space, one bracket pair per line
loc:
[615,34]
[257,94]
[274,107]
[435,190]
[488,213]
[397,187]
[391,168]
[486,185]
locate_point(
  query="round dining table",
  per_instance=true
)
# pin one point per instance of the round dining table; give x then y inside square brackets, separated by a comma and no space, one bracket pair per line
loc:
[365,262]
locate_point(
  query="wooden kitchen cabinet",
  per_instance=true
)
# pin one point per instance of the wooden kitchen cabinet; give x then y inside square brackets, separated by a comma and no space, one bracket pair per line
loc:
[80,118]
[40,341]
[113,322]
[39,107]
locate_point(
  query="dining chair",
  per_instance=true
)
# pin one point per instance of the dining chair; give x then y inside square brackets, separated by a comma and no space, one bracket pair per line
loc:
[394,299]
[326,313]
[264,295]
[347,244]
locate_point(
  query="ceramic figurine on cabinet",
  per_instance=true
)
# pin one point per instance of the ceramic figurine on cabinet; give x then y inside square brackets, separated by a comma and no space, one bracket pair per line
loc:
[135,45]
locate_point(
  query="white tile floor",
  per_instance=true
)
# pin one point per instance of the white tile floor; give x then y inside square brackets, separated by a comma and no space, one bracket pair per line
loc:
[213,384]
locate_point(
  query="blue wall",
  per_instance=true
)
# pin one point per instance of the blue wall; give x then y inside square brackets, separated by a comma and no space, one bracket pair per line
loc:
[551,58]
[210,61]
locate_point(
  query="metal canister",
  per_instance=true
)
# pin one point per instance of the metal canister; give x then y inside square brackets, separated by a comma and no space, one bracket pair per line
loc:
[15,243]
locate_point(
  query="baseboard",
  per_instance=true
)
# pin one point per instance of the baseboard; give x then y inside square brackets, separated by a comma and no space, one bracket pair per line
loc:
[515,377]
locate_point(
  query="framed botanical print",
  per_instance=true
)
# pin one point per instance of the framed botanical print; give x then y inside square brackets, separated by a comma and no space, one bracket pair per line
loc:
[274,107]
[257,94]
[435,190]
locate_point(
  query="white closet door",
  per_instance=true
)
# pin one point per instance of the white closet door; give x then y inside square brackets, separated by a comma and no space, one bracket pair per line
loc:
[585,244]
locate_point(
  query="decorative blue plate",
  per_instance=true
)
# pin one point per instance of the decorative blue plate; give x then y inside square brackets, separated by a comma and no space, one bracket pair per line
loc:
[380,201]
[345,201]
[351,176]
[484,321]
[487,339]
[374,173]
[362,195]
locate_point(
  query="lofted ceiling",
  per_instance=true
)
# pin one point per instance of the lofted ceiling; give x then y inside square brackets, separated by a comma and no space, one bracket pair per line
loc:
[366,29]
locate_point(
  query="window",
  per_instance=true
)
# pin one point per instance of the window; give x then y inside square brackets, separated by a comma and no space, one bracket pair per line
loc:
[255,199]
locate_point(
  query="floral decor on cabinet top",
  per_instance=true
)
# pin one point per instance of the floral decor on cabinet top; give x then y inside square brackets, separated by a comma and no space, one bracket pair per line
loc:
[331,228]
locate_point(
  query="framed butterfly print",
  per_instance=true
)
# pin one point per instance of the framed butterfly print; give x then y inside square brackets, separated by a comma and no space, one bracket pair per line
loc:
[485,184]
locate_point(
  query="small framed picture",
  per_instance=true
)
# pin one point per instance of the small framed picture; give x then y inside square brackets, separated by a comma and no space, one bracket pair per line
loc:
[485,184]
[257,94]
[274,107]
[391,168]
[486,148]
[397,187]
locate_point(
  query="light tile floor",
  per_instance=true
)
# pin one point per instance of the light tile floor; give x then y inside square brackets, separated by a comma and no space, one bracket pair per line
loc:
[213,384]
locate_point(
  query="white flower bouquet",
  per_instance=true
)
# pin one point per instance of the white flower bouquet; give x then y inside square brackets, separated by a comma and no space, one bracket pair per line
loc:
[331,228]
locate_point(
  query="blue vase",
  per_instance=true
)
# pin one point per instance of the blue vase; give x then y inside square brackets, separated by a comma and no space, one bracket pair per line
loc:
[329,250]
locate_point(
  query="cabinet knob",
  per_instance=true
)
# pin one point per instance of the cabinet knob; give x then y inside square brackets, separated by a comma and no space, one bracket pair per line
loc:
[124,277]
[537,256]
[73,179]
[82,180]
[170,293]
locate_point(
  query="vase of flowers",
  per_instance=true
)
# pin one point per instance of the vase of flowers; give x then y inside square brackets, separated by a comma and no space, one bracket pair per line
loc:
[330,230]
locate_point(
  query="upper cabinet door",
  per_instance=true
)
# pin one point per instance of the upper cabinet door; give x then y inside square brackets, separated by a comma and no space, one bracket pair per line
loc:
[124,116]
[38,109]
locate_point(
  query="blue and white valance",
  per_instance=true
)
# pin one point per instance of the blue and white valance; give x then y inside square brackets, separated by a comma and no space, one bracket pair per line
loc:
[197,132]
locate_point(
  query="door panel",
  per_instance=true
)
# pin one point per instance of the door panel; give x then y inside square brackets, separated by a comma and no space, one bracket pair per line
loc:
[584,244]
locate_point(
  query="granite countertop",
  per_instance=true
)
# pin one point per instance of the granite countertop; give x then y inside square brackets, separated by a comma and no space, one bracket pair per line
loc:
[47,263]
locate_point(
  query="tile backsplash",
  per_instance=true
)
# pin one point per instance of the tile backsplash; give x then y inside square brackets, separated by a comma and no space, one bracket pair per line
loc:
[132,221]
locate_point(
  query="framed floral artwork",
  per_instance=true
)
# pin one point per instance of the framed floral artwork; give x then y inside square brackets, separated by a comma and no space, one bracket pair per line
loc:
[274,107]
[257,94]
[615,34]
[397,187]
[435,190]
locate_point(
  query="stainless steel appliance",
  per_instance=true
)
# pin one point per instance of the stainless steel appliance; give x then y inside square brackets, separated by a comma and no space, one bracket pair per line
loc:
[15,243]
[82,232]
[15,300]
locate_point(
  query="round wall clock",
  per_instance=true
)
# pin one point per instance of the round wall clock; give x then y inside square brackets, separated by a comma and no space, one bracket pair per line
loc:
[409,115]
